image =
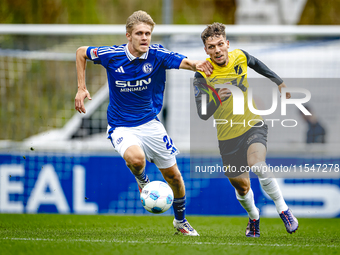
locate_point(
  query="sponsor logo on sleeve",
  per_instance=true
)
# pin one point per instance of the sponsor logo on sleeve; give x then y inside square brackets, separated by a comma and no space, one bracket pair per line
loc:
[94,53]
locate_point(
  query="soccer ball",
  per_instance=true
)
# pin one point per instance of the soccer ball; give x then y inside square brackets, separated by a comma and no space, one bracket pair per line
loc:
[157,197]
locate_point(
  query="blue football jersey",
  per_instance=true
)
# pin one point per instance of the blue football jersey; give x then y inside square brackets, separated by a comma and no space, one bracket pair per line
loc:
[136,84]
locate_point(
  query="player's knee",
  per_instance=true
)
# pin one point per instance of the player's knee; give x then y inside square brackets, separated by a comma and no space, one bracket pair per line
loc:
[136,163]
[134,158]
[257,161]
[243,190]
[260,169]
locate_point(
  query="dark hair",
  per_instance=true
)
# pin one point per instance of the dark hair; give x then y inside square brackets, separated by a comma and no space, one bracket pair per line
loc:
[216,29]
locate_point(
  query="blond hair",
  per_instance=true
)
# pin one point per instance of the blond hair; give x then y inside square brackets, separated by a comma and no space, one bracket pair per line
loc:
[139,17]
[214,30]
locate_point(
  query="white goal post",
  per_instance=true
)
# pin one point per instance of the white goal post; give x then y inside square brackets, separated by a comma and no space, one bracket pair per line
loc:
[232,30]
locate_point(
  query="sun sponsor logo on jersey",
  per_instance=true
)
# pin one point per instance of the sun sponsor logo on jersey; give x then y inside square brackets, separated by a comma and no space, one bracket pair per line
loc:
[138,85]
[94,53]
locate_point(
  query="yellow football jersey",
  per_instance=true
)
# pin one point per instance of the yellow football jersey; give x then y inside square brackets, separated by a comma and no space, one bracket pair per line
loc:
[234,73]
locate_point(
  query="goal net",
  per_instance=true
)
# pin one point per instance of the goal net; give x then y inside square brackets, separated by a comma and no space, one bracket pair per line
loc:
[38,81]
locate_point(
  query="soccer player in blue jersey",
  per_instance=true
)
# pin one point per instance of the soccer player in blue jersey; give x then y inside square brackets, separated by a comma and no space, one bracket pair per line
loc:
[136,78]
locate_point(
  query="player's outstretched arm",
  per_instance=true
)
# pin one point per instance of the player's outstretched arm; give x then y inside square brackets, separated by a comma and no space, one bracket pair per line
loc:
[283,85]
[82,91]
[197,65]
[262,69]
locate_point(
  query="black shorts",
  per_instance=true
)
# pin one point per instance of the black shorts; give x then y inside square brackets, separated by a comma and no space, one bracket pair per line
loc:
[234,151]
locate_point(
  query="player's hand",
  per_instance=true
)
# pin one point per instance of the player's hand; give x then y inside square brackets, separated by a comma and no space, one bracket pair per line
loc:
[283,85]
[205,66]
[224,93]
[79,100]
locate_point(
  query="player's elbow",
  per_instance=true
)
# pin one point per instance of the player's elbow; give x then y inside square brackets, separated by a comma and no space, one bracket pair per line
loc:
[203,116]
[81,51]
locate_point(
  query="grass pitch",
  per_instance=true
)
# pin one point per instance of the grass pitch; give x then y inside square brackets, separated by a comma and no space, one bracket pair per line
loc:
[104,234]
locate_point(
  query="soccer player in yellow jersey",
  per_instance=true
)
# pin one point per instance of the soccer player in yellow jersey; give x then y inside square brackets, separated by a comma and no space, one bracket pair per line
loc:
[240,145]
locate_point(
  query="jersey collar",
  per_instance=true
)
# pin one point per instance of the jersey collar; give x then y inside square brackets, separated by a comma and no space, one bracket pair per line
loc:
[132,57]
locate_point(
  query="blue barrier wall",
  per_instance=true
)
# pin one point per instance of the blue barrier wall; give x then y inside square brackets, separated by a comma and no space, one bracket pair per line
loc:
[65,183]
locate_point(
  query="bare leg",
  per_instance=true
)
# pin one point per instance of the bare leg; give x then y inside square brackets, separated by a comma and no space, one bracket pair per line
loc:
[173,177]
[135,160]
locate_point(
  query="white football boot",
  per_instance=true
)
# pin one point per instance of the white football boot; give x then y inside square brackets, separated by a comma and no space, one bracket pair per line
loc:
[141,185]
[185,228]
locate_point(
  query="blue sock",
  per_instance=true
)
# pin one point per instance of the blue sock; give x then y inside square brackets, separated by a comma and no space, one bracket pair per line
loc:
[143,178]
[179,208]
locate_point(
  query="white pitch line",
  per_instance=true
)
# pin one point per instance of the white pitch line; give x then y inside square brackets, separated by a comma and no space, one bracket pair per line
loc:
[166,242]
